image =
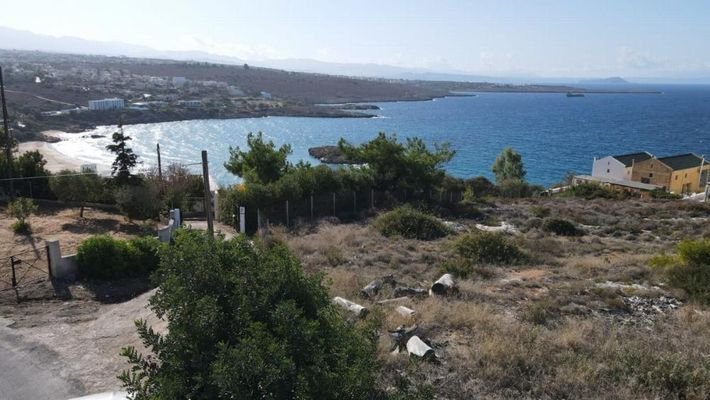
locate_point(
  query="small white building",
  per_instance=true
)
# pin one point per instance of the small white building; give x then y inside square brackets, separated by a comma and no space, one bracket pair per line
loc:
[266,95]
[106,104]
[618,168]
[179,81]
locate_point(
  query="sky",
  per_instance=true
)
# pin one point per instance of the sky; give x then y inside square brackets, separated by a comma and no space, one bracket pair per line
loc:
[556,38]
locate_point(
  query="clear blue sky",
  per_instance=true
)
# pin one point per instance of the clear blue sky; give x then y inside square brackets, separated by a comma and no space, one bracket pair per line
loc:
[561,38]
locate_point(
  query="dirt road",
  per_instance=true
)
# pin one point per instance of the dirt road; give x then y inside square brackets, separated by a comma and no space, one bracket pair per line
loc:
[30,370]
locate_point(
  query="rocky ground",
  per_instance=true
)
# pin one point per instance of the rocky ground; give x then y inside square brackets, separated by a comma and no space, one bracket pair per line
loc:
[586,317]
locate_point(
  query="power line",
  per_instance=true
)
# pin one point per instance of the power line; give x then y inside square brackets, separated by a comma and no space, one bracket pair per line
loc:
[45,176]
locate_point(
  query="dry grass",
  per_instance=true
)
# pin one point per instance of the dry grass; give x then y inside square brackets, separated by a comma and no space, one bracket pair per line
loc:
[546,329]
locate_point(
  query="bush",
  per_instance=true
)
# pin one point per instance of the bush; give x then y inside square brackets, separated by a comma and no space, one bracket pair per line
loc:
[591,191]
[21,228]
[664,195]
[560,227]
[515,188]
[689,269]
[141,201]
[105,258]
[21,209]
[487,248]
[410,223]
[245,322]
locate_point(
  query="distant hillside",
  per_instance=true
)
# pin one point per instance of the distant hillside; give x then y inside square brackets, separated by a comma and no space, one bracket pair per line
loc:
[614,79]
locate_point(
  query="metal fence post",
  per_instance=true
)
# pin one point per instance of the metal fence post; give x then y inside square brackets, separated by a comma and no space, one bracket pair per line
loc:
[354,201]
[287,219]
[372,199]
[311,206]
[334,204]
[12,264]
[49,262]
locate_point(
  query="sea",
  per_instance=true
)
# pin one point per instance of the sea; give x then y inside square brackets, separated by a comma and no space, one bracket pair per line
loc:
[555,134]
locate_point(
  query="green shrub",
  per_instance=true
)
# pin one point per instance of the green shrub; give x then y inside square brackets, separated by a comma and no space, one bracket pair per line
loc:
[664,195]
[410,223]
[540,212]
[561,227]
[21,228]
[488,248]
[21,209]
[689,269]
[515,188]
[140,201]
[591,191]
[245,322]
[105,258]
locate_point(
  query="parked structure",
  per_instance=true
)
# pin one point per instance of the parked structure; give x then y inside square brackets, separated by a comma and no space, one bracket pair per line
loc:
[619,167]
[106,104]
[684,173]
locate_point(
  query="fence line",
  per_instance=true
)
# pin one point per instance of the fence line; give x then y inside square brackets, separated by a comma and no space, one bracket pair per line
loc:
[344,205]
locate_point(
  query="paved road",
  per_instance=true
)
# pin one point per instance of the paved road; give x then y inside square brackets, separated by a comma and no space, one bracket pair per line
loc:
[31,371]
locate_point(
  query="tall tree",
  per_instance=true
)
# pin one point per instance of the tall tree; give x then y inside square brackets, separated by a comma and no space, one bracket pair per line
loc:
[125,158]
[261,163]
[508,166]
[409,165]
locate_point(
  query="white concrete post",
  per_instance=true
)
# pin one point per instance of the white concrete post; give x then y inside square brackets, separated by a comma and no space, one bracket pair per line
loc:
[55,256]
[215,196]
[242,220]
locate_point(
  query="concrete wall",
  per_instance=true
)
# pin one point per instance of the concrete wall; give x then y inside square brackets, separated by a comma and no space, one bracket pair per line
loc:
[652,171]
[610,167]
[690,177]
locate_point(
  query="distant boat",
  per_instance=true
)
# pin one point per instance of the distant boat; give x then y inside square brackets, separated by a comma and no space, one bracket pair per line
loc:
[575,94]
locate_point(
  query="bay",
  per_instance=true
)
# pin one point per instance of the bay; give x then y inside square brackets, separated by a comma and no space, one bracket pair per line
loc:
[554,133]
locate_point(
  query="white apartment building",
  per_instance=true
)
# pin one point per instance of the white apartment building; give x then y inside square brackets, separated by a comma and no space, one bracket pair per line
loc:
[106,104]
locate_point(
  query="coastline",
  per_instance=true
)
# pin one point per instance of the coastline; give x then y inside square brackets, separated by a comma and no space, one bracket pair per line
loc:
[56,160]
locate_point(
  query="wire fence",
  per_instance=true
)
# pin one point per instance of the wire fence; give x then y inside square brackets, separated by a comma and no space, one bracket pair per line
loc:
[344,205]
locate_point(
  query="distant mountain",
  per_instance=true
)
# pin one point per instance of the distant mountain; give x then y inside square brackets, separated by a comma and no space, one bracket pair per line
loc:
[13,39]
[614,79]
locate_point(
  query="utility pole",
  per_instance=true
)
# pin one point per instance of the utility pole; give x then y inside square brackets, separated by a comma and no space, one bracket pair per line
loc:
[160,168]
[8,138]
[208,194]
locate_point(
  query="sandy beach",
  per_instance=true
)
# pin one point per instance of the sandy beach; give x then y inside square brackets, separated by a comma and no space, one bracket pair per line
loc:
[56,161]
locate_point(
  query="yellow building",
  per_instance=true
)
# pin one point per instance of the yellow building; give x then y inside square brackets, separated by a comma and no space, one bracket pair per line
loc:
[684,173]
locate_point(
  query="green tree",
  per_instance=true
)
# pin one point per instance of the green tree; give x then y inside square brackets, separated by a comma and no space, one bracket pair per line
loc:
[244,322]
[21,209]
[508,166]
[261,163]
[71,186]
[410,165]
[125,158]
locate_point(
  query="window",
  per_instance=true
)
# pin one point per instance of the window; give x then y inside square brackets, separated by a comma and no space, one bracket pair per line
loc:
[676,177]
[686,175]
[650,175]
[607,170]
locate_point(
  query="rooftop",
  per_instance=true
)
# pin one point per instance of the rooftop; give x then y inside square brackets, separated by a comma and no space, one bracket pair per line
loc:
[629,159]
[682,161]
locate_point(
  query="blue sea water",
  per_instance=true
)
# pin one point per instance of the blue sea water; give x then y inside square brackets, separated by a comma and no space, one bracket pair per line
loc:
[554,133]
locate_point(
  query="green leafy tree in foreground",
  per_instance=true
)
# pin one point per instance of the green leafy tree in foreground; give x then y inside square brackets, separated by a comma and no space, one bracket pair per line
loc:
[244,322]
[508,166]
[125,158]
[261,163]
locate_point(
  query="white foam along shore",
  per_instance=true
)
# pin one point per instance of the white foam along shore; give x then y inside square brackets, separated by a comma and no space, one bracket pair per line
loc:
[56,160]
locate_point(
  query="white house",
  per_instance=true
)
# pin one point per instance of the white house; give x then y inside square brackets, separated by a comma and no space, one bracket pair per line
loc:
[617,167]
[106,104]
[179,81]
